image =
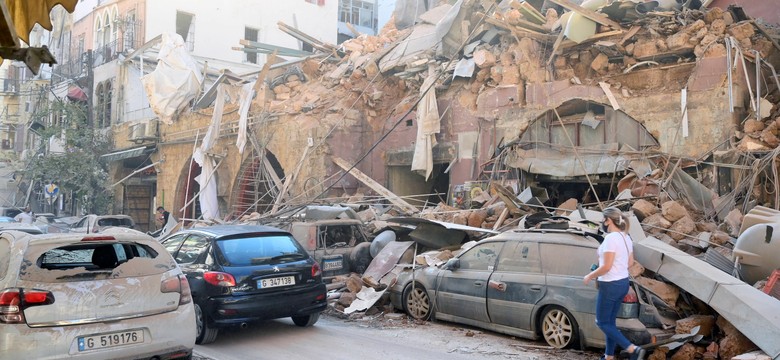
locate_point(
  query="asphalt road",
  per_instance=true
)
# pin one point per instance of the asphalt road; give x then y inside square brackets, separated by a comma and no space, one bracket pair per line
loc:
[367,338]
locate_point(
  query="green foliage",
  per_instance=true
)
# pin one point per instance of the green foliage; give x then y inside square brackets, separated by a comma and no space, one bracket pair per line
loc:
[78,169]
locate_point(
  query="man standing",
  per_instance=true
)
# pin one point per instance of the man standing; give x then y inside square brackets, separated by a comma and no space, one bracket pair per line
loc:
[162,215]
[26,216]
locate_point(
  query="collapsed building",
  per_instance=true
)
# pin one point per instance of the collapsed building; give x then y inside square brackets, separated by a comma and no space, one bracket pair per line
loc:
[479,113]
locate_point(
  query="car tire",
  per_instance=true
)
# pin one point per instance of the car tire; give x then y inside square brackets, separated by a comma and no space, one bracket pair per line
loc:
[417,303]
[360,257]
[205,333]
[558,328]
[306,320]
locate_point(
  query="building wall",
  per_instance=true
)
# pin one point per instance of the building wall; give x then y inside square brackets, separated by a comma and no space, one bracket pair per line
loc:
[219,26]
[87,12]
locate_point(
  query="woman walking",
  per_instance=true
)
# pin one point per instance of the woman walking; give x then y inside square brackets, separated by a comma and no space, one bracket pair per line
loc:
[616,255]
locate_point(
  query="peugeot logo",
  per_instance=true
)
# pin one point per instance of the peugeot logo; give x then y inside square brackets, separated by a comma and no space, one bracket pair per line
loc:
[276,269]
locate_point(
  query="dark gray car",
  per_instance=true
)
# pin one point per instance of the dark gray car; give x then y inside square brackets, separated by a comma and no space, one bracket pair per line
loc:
[526,283]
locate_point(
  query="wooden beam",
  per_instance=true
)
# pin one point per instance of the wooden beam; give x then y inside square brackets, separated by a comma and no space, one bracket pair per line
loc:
[631,32]
[519,32]
[393,198]
[555,48]
[569,44]
[590,14]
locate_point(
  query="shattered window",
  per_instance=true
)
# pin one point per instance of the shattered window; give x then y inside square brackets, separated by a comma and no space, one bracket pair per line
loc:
[191,249]
[481,257]
[338,236]
[85,260]
[578,260]
[521,257]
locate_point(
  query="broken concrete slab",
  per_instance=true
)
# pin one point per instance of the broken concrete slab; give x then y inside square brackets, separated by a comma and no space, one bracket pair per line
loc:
[755,314]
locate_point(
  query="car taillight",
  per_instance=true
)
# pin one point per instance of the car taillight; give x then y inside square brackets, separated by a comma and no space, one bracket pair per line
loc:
[316,270]
[631,296]
[179,285]
[219,278]
[14,301]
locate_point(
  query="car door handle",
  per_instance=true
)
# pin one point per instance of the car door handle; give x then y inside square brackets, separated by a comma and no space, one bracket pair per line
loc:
[478,283]
[536,288]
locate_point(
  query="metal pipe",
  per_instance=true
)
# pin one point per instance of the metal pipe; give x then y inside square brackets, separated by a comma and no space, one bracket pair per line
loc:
[758,84]
[729,65]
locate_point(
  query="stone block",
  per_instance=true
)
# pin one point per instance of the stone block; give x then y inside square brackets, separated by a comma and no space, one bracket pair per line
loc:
[673,211]
[484,59]
[354,283]
[733,222]
[497,73]
[678,40]
[636,269]
[567,207]
[600,63]
[346,299]
[714,14]
[477,217]
[707,226]
[680,228]
[742,30]
[719,238]
[706,323]
[644,49]
[643,208]
[510,76]
[667,292]
[734,343]
[685,352]
[718,27]
[696,27]
[656,223]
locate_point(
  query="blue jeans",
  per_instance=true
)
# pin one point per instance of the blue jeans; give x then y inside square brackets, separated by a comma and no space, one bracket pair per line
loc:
[611,294]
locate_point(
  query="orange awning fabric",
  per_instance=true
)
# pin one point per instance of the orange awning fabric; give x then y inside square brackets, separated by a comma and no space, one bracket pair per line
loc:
[24,14]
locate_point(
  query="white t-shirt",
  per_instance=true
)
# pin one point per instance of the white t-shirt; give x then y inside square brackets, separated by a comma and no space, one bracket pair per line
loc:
[24,218]
[615,243]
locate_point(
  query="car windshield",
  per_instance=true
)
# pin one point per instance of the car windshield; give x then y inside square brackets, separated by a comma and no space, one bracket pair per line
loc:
[259,250]
[92,260]
[6,219]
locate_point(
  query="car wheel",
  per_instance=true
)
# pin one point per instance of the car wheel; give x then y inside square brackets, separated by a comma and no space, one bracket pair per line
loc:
[559,329]
[360,257]
[205,333]
[417,303]
[306,320]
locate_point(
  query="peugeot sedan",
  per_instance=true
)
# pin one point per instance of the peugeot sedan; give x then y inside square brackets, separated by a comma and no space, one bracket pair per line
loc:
[119,295]
[241,273]
[526,283]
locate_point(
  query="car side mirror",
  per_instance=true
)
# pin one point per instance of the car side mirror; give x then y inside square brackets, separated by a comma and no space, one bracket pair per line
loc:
[452,264]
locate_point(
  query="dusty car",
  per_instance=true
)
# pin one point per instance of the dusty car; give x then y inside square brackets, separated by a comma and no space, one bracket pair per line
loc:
[97,223]
[243,273]
[112,296]
[525,282]
[334,236]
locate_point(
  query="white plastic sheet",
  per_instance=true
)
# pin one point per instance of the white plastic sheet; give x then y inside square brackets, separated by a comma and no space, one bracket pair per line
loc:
[245,101]
[207,179]
[175,81]
[428,125]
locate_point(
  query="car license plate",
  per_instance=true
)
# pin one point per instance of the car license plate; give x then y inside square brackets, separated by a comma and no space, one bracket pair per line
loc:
[109,340]
[334,264]
[277,281]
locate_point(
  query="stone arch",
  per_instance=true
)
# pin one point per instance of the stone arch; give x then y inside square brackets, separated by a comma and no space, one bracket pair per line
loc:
[608,141]
[256,185]
[186,189]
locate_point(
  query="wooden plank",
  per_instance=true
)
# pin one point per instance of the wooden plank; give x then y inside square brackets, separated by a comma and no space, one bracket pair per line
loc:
[531,26]
[393,198]
[528,12]
[555,48]
[610,96]
[569,44]
[631,32]
[590,14]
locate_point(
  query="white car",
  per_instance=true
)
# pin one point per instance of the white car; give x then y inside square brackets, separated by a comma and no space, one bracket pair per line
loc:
[116,295]
[97,223]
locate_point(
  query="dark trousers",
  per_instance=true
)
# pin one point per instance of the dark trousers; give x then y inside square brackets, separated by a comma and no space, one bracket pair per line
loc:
[611,294]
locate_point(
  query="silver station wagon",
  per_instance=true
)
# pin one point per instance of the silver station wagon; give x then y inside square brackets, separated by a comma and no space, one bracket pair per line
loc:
[525,282]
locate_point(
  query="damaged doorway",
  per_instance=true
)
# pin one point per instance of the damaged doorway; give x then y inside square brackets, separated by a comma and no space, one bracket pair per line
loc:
[257,185]
[606,141]
[412,186]
[187,189]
